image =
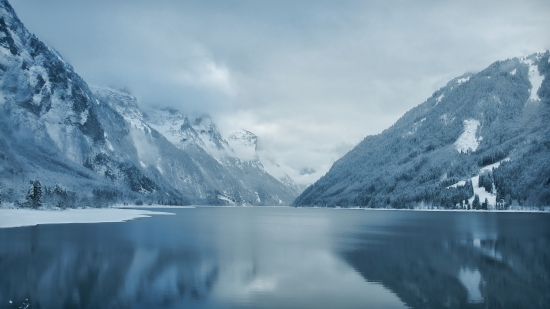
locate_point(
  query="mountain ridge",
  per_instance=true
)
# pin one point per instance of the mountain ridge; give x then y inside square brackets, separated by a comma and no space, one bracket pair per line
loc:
[94,146]
[475,120]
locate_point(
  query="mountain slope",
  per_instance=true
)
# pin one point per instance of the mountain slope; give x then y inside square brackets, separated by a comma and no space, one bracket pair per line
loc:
[435,153]
[193,157]
[94,146]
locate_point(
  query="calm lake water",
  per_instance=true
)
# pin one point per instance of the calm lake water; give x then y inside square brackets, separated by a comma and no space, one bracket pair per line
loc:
[279,257]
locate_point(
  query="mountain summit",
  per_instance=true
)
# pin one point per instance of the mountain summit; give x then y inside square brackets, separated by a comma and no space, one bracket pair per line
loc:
[483,136]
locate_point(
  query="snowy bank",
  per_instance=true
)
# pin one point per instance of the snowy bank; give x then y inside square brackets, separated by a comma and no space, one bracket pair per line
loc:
[151,206]
[29,217]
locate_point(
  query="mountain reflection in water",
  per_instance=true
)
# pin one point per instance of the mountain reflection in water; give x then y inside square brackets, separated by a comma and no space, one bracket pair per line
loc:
[460,260]
[281,258]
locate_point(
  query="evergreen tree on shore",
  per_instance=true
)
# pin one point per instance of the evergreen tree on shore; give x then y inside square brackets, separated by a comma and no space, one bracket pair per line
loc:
[34,196]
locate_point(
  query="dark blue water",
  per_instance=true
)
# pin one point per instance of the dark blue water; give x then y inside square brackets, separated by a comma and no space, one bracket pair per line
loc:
[282,258]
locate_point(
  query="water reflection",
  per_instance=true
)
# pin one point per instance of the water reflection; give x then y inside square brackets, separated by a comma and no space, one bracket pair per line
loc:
[471,279]
[201,258]
[102,277]
[281,258]
[434,261]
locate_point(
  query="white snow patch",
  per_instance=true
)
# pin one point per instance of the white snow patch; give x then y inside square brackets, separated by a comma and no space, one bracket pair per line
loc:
[458,184]
[481,192]
[463,80]
[471,279]
[491,198]
[83,117]
[27,217]
[513,72]
[415,126]
[109,145]
[151,206]
[36,99]
[534,78]
[494,165]
[468,140]
[439,99]
[223,198]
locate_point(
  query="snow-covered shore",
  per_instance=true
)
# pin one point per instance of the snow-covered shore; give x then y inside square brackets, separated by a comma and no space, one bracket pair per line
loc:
[150,206]
[17,217]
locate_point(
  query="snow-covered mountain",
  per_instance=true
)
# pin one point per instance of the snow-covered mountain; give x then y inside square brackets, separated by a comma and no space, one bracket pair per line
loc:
[96,145]
[205,161]
[484,134]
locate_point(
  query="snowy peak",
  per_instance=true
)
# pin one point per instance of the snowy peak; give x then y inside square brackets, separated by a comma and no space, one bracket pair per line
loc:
[182,132]
[202,132]
[124,103]
[215,144]
[244,145]
[174,126]
[245,137]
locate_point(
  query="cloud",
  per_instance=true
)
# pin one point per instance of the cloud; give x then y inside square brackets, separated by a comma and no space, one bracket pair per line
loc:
[211,76]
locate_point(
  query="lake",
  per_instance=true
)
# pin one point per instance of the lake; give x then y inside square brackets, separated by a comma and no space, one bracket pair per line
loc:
[282,257]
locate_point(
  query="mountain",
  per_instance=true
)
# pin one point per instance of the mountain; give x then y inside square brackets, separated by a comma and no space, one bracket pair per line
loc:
[192,155]
[484,134]
[92,146]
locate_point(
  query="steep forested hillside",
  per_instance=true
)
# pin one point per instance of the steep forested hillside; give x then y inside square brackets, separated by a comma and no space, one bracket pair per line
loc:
[484,134]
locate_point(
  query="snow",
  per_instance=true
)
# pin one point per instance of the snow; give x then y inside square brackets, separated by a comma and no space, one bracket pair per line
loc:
[439,99]
[152,206]
[534,78]
[492,166]
[463,80]
[491,198]
[513,72]
[83,117]
[28,217]
[458,184]
[243,144]
[468,141]
[223,198]
[109,145]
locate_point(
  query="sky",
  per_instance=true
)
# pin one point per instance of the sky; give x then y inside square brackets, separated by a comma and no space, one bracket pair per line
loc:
[310,78]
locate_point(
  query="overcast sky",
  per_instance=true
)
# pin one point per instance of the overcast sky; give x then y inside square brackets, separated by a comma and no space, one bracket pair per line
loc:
[310,78]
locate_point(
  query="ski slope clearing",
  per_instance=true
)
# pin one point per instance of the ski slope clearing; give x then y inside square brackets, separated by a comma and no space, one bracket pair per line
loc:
[28,217]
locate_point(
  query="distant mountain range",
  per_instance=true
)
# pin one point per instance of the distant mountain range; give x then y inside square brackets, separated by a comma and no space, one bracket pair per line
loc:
[481,141]
[95,146]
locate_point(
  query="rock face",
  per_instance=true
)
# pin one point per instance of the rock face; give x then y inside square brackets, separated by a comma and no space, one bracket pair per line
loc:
[98,144]
[483,134]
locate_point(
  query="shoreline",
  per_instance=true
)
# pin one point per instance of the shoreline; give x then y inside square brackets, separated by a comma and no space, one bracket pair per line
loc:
[435,209]
[21,217]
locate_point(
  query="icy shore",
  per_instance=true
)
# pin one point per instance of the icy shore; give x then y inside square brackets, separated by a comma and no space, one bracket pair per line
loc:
[17,217]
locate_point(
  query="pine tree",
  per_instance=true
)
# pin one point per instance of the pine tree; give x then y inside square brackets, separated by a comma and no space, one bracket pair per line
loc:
[34,196]
[485,204]
[475,203]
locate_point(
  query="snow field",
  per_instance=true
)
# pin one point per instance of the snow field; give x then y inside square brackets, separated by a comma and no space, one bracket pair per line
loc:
[29,217]
[468,141]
